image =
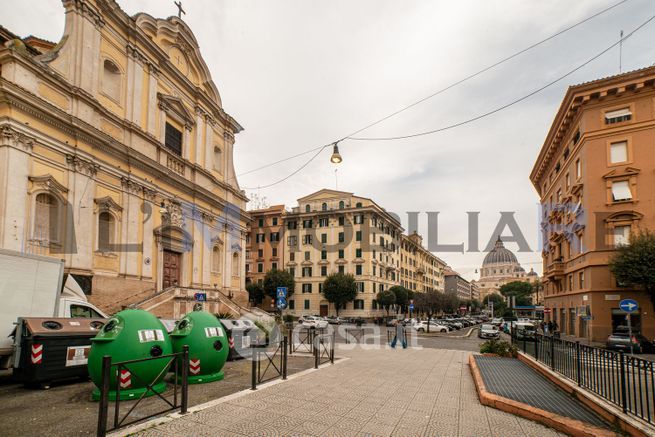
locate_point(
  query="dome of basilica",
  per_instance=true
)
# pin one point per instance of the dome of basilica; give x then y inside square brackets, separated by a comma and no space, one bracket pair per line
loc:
[499,255]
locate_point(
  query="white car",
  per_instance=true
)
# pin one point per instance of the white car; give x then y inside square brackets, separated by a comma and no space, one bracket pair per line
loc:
[313,322]
[488,331]
[423,327]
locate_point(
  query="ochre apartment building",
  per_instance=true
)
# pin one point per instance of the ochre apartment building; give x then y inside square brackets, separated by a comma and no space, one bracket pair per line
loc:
[595,176]
[116,156]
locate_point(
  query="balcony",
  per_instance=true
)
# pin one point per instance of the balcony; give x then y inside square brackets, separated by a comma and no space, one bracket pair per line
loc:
[554,269]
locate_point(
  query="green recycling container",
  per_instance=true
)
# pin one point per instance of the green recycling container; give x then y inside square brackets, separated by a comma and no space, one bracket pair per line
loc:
[208,346]
[131,335]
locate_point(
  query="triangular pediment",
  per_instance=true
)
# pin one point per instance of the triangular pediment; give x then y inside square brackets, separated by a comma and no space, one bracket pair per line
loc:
[174,105]
[617,173]
[325,193]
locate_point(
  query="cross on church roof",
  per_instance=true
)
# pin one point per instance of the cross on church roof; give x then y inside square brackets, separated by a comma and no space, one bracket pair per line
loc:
[180,11]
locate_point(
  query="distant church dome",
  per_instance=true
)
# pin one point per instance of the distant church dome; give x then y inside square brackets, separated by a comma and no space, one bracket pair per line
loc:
[499,255]
[532,273]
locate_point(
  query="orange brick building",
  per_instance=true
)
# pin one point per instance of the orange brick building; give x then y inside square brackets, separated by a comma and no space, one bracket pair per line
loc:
[595,176]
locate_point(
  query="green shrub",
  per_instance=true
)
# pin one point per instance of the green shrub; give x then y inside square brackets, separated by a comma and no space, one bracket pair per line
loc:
[499,347]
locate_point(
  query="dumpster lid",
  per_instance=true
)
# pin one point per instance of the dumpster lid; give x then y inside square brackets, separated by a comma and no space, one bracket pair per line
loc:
[59,326]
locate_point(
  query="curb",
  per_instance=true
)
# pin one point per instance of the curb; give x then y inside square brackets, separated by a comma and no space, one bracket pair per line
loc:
[567,425]
[603,408]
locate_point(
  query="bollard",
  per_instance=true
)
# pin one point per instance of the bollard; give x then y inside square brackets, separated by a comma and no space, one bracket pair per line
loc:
[185,379]
[104,396]
[253,357]
[334,337]
[317,351]
[284,357]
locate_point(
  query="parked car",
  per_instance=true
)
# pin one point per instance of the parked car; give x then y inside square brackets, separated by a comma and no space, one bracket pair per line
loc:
[423,327]
[621,341]
[524,330]
[313,322]
[496,321]
[488,331]
[334,320]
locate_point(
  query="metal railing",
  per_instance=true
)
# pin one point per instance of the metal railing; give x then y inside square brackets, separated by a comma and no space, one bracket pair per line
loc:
[324,349]
[302,340]
[625,380]
[355,335]
[274,359]
[180,364]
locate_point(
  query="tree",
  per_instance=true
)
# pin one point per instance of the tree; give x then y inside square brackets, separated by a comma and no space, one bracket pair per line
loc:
[386,298]
[402,295]
[450,303]
[499,303]
[339,289]
[255,292]
[632,265]
[278,278]
[521,291]
[429,303]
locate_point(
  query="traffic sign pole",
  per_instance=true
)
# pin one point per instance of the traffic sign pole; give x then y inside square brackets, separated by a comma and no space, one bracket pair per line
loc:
[629,317]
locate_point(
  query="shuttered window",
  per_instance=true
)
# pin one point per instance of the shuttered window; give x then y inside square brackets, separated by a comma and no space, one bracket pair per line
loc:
[173,140]
[46,220]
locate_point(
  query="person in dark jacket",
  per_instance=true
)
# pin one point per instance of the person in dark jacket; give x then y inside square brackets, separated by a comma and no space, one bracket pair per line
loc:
[400,335]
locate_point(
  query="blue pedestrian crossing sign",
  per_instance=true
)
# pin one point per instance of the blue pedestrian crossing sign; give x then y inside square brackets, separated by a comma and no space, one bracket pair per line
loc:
[281,303]
[282,292]
[629,305]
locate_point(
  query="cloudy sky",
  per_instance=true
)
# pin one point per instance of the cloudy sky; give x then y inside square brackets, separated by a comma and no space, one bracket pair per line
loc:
[298,74]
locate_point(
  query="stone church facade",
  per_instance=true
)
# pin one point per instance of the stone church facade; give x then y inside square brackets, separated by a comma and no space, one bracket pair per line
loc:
[116,156]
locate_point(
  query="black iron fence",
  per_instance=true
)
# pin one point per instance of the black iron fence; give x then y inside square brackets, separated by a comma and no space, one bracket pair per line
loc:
[324,349]
[302,339]
[355,335]
[269,361]
[625,380]
[178,362]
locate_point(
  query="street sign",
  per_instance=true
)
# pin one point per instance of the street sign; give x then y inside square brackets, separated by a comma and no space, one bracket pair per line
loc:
[546,310]
[281,292]
[200,297]
[587,318]
[628,305]
[281,303]
[411,307]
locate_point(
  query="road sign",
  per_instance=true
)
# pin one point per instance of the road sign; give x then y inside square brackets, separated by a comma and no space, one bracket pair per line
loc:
[411,307]
[587,318]
[546,310]
[281,292]
[200,297]
[281,303]
[629,305]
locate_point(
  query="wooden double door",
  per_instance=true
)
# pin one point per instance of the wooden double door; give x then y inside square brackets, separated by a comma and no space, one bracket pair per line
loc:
[172,267]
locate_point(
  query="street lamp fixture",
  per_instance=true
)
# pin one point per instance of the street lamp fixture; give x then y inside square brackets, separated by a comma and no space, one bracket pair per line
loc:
[336,157]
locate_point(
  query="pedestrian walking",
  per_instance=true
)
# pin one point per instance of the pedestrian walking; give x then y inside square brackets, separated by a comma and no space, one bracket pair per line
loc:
[555,329]
[400,335]
[549,327]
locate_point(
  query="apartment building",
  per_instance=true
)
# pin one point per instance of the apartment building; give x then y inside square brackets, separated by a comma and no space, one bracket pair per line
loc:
[595,177]
[265,243]
[420,269]
[455,283]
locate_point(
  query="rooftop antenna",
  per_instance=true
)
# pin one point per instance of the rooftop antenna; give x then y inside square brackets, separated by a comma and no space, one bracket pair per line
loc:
[181,11]
[620,51]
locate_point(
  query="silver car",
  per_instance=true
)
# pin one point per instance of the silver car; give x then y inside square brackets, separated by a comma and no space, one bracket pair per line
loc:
[488,331]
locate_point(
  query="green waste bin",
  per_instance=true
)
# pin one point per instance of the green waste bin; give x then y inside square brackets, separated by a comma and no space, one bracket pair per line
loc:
[208,347]
[131,335]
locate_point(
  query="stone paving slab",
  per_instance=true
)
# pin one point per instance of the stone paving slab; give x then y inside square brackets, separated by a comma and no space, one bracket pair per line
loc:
[376,393]
[513,379]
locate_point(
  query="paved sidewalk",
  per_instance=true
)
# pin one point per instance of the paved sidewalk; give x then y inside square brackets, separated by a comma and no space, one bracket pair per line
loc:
[412,392]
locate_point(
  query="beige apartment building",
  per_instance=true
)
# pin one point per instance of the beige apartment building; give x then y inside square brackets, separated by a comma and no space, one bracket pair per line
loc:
[595,176]
[420,269]
[265,244]
[455,283]
[116,156]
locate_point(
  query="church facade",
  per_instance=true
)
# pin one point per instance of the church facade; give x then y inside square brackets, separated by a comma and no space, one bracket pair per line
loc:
[116,156]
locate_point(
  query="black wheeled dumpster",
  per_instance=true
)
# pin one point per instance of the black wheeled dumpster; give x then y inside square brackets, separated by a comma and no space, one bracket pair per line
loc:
[50,349]
[241,333]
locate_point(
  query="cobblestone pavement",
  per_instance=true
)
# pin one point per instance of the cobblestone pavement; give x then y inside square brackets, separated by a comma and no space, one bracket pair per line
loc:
[379,392]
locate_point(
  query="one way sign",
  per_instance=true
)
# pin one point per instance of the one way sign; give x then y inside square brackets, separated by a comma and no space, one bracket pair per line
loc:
[628,305]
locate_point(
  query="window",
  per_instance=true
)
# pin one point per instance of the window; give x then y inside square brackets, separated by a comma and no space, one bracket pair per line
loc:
[359,219]
[358,269]
[618,116]
[358,236]
[323,270]
[292,225]
[173,139]
[342,269]
[292,304]
[374,271]
[292,240]
[618,152]
[374,304]
[342,220]
[260,238]
[307,256]
[342,237]
[307,208]
[260,253]
[570,277]
[106,231]
[323,222]
[292,256]
[260,268]
[358,205]
[324,238]
[568,181]
[323,254]
[306,304]
[341,204]
[292,271]
[218,159]
[82,311]
[306,271]
[274,266]
[621,235]
[46,218]
[306,288]
[306,224]
[621,191]
[260,222]
[236,264]
[111,80]
[581,280]
[358,304]
[358,253]
[275,251]
[324,207]
[359,286]
[578,169]
[307,239]
[341,253]
[217,256]
[275,237]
